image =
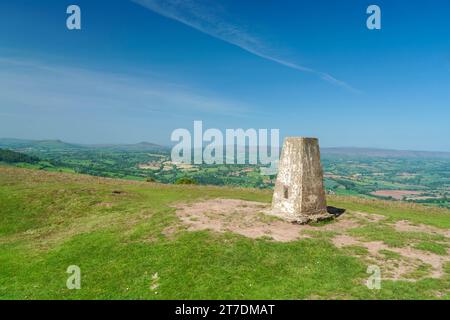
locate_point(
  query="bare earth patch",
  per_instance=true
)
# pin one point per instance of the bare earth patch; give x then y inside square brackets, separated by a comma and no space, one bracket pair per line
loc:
[238,216]
[370,217]
[104,204]
[406,226]
[247,218]
[410,258]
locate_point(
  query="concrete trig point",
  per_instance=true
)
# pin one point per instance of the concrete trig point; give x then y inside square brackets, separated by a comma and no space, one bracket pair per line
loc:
[299,195]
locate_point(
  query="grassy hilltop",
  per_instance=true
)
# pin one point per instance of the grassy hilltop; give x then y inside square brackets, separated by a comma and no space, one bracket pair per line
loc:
[129,243]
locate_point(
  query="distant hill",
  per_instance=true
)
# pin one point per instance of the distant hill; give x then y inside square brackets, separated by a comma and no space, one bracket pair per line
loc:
[142,146]
[9,156]
[383,153]
[19,144]
[58,145]
[371,152]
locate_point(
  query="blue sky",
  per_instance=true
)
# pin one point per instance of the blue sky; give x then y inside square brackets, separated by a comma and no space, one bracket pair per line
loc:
[140,69]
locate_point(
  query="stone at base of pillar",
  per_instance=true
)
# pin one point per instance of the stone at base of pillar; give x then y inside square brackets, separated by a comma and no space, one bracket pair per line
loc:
[302,218]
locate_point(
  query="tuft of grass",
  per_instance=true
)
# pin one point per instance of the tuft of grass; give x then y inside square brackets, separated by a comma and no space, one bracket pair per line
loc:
[420,272]
[356,250]
[391,254]
[432,247]
[323,222]
[447,268]
[263,217]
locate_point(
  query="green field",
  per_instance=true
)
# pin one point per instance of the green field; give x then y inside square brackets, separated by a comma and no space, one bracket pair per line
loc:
[424,179]
[116,232]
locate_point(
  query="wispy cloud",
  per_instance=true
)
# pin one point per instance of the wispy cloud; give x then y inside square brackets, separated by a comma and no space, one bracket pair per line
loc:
[205,19]
[36,86]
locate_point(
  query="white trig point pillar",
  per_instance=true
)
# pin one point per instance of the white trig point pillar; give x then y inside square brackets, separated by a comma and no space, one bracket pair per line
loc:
[299,195]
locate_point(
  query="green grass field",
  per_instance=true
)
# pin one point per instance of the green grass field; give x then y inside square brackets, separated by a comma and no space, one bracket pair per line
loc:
[115,231]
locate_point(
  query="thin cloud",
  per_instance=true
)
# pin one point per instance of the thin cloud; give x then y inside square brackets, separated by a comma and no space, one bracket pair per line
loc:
[203,19]
[55,88]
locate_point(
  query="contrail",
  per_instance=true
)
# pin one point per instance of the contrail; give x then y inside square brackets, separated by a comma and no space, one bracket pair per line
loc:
[202,18]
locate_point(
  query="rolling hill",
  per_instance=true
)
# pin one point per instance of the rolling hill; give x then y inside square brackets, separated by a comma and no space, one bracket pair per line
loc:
[48,145]
[58,145]
[29,145]
[9,156]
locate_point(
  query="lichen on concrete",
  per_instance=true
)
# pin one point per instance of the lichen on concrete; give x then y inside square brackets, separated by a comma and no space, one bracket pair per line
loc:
[299,194]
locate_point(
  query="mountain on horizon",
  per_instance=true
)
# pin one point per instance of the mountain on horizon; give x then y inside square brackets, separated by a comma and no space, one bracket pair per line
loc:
[145,146]
[383,153]
[24,144]
[13,143]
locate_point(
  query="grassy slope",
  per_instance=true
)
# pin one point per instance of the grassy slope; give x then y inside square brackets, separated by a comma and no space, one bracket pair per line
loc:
[115,230]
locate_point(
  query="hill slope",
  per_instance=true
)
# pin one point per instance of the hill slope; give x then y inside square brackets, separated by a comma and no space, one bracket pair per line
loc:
[385,153]
[58,145]
[9,156]
[130,242]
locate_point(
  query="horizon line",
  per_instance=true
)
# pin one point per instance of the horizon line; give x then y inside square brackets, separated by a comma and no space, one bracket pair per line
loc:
[223,145]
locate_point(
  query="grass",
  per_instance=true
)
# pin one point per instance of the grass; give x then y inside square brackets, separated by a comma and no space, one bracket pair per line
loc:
[116,232]
[393,238]
[390,254]
[356,250]
[421,271]
[395,211]
[432,247]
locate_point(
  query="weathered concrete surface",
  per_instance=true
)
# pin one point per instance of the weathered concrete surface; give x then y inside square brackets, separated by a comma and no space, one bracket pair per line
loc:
[299,195]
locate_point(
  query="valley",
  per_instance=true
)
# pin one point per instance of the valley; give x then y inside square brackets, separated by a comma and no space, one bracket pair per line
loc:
[418,177]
